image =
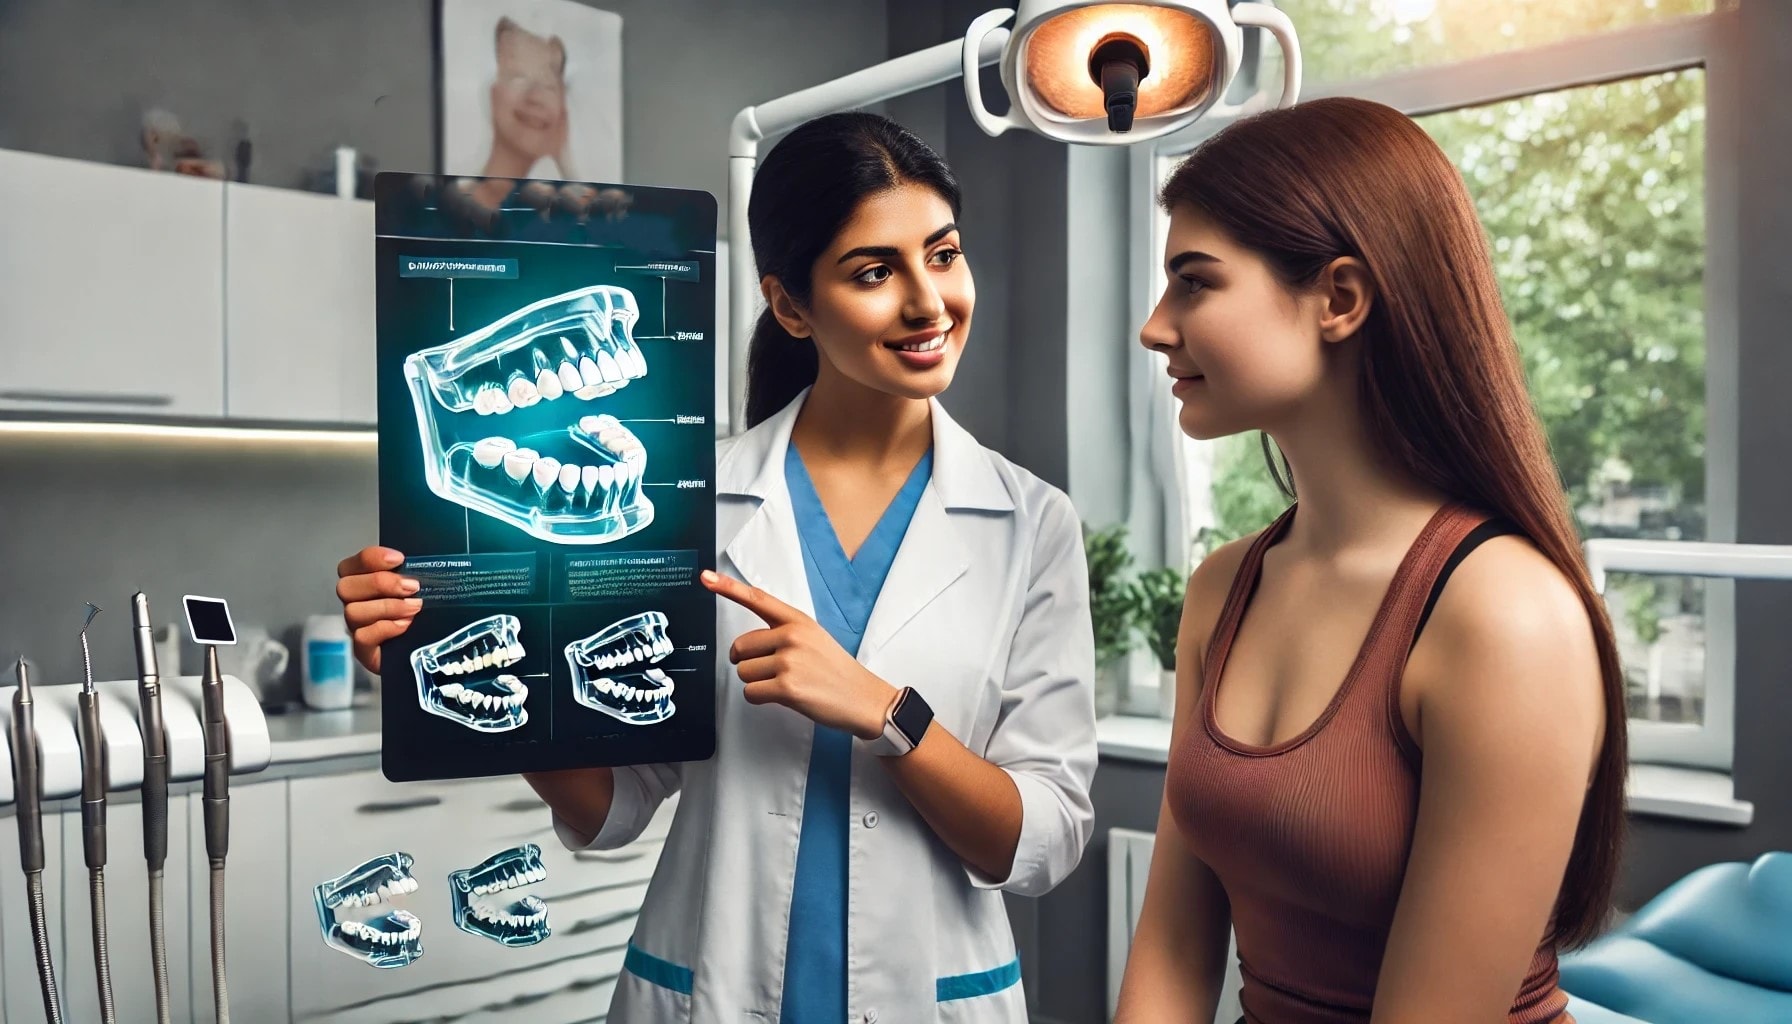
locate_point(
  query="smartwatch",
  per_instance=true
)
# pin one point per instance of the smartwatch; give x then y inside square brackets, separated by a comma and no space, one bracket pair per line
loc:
[904,724]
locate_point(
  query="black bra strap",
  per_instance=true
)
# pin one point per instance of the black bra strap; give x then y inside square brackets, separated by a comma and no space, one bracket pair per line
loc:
[1476,537]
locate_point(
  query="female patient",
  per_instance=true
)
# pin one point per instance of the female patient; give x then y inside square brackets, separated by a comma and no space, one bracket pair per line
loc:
[901,584]
[1404,797]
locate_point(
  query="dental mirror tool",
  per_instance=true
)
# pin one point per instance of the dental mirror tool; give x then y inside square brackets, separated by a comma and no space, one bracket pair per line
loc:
[31,837]
[208,622]
[155,791]
[93,816]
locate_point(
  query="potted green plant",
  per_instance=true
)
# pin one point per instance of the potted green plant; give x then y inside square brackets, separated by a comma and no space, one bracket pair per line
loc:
[1157,615]
[1111,608]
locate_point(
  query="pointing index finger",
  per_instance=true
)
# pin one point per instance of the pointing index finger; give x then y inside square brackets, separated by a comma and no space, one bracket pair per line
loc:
[760,603]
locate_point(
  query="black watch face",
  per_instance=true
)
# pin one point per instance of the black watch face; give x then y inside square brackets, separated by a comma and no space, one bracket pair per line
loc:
[913,716]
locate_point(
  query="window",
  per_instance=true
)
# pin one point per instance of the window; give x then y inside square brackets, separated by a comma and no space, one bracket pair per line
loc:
[1588,170]
[1346,40]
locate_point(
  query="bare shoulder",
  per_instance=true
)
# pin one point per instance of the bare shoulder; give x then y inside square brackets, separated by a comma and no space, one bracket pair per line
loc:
[1509,638]
[1205,597]
[1508,594]
[1213,575]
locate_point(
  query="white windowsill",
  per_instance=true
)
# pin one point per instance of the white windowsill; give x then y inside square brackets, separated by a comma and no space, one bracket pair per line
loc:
[1134,738]
[1656,790]
[1696,794]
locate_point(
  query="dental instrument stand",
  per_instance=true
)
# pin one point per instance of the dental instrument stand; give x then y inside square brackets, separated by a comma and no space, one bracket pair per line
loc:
[56,708]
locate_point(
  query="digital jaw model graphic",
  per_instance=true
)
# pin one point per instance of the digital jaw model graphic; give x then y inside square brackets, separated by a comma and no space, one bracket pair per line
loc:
[565,478]
[638,696]
[457,676]
[390,940]
[523,923]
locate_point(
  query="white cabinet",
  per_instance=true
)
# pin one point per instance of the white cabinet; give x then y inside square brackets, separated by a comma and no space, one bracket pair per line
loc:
[127,915]
[299,306]
[111,289]
[340,821]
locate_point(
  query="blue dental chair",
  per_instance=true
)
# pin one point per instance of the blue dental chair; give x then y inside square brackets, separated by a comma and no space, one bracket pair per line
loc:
[1714,946]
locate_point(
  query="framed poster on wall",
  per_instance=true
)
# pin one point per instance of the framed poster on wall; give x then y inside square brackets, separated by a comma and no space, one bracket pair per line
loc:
[530,89]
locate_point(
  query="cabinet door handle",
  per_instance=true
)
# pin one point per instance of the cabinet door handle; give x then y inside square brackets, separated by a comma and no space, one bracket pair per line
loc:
[86,398]
[393,806]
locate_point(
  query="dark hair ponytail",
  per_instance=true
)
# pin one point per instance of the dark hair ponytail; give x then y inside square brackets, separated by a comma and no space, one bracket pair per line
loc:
[805,191]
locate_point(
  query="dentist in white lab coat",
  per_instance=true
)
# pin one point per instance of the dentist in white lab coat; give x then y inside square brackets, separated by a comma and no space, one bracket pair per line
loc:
[905,714]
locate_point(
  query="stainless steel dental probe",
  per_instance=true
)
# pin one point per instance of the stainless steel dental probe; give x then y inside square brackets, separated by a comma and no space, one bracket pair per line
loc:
[155,792]
[93,817]
[31,837]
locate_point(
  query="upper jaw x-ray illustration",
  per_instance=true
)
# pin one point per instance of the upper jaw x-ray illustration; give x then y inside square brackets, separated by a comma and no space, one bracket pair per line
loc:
[638,696]
[457,676]
[562,478]
[523,923]
[390,940]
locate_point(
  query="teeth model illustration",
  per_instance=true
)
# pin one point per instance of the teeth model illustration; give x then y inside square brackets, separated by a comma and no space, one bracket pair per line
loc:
[611,670]
[560,474]
[523,923]
[460,677]
[386,941]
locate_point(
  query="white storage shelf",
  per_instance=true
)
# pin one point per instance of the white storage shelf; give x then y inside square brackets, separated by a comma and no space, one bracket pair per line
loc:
[127,292]
[298,306]
[111,289]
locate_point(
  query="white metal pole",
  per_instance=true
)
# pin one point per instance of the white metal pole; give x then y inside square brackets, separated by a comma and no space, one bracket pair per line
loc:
[888,80]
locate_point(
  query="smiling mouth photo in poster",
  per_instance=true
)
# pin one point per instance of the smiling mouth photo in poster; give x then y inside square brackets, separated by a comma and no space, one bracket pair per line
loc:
[530,89]
[546,374]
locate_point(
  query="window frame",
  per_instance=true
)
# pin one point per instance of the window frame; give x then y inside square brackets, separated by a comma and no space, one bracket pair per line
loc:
[1708,42]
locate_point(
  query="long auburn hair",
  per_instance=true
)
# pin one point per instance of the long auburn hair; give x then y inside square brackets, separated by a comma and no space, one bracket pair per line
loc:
[1442,384]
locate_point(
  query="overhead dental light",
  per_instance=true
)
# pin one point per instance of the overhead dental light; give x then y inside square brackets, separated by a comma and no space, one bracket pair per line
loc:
[1114,74]
[1100,74]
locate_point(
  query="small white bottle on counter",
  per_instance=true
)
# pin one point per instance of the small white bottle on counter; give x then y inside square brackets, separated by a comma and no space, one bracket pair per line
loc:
[327,679]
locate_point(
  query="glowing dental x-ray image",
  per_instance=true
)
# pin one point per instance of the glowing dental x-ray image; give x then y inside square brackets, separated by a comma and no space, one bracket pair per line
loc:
[556,475]
[458,676]
[523,923]
[383,940]
[610,673]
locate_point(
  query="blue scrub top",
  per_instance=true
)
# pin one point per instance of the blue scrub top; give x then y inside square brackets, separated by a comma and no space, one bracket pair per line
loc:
[844,591]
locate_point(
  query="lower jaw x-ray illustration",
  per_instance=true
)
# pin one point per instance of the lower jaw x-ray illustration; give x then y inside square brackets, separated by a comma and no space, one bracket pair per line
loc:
[563,477]
[388,940]
[459,677]
[523,923]
[610,673]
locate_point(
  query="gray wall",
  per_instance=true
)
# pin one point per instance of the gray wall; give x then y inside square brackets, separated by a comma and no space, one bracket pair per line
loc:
[260,523]
[76,78]
[309,76]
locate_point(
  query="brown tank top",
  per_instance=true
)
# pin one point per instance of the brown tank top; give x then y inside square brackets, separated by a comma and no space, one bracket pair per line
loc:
[1310,837]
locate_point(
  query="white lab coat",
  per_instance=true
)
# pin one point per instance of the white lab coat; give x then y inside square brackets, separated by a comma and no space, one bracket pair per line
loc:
[986,613]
